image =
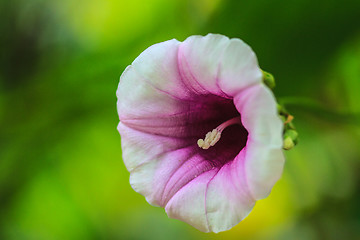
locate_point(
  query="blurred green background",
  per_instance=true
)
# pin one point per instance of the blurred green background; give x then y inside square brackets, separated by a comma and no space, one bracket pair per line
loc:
[61,172]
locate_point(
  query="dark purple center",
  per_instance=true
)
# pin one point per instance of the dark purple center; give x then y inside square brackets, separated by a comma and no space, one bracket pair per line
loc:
[213,111]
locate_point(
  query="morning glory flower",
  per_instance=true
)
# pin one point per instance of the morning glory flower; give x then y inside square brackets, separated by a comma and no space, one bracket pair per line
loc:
[200,131]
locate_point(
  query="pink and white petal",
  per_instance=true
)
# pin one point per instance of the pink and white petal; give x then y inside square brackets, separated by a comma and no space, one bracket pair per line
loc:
[158,65]
[257,106]
[264,159]
[137,99]
[190,169]
[199,61]
[152,178]
[151,160]
[264,166]
[230,65]
[167,173]
[188,204]
[160,179]
[239,68]
[139,148]
[228,200]
[146,108]
[160,166]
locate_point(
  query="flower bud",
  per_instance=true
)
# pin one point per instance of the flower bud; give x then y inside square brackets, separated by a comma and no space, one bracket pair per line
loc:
[288,143]
[290,139]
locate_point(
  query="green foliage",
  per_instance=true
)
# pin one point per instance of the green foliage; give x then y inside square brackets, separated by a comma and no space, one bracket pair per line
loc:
[61,173]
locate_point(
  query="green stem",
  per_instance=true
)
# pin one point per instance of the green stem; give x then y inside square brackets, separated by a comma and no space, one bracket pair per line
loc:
[319,110]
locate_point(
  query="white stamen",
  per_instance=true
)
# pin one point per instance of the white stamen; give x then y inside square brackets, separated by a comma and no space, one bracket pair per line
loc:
[211,138]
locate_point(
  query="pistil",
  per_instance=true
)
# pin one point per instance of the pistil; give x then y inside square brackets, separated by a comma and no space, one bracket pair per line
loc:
[212,137]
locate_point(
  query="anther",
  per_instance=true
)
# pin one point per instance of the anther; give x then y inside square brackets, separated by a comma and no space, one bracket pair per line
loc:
[212,137]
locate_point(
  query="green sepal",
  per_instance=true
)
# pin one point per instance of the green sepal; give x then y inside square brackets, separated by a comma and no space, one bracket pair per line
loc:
[290,134]
[268,79]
